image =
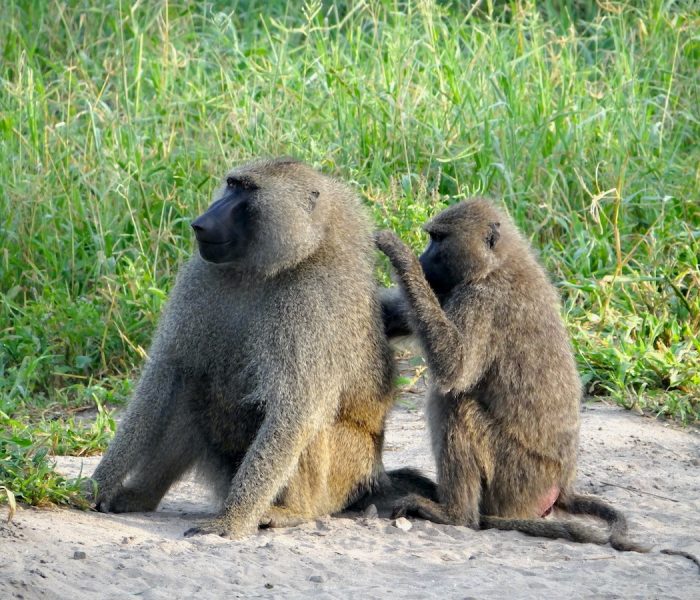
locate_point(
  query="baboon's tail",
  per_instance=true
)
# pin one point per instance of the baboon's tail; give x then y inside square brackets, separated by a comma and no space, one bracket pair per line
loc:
[564,530]
[412,481]
[576,504]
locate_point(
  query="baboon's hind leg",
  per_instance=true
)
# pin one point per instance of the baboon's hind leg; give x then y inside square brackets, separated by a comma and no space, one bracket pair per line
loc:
[333,471]
[459,493]
[464,463]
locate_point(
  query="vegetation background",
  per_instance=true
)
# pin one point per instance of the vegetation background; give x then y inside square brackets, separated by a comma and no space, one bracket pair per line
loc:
[118,118]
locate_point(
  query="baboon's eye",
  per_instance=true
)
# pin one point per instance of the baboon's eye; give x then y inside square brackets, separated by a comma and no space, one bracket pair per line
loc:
[311,200]
[237,182]
[437,236]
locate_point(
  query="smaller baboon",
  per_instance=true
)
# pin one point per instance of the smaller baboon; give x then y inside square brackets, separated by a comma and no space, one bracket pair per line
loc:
[504,399]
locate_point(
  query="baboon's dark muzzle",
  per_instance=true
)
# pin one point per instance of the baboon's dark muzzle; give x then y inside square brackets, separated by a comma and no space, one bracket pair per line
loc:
[222,231]
[211,228]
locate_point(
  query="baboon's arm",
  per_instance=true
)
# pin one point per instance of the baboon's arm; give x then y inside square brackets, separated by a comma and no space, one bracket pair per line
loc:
[158,391]
[294,413]
[455,361]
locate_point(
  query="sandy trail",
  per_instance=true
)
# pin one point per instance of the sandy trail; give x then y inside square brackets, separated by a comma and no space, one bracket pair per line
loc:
[654,468]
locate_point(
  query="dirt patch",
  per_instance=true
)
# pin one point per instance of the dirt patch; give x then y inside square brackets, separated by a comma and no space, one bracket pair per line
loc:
[647,468]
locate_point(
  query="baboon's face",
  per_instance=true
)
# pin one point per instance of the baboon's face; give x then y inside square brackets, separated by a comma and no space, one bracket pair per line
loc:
[439,268]
[223,231]
[266,217]
[463,245]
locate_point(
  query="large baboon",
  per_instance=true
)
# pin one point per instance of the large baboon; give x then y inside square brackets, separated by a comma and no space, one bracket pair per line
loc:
[269,372]
[504,400]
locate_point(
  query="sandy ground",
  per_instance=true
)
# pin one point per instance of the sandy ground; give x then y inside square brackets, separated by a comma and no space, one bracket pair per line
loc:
[645,467]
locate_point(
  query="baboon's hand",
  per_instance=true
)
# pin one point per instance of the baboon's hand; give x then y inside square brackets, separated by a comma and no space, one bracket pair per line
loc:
[398,253]
[104,503]
[90,489]
[127,500]
[103,498]
[221,527]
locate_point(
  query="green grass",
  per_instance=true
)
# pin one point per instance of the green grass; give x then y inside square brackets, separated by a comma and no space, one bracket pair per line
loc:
[116,122]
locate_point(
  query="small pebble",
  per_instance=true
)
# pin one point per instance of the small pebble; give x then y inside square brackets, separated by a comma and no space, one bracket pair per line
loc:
[317,578]
[269,586]
[403,524]
[371,512]
[79,555]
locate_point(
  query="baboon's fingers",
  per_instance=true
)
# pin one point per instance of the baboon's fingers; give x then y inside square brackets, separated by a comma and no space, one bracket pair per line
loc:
[405,506]
[398,253]
[265,522]
[128,500]
[425,509]
[400,509]
[105,499]
[386,239]
[281,517]
[212,527]
[218,526]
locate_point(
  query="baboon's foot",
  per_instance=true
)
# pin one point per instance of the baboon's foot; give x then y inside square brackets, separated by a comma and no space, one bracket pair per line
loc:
[222,527]
[277,516]
[405,506]
[414,505]
[126,500]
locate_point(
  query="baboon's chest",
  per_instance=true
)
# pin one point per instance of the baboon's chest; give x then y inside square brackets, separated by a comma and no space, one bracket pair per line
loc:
[228,423]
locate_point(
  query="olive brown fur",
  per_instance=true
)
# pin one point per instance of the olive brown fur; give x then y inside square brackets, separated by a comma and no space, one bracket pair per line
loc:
[269,373]
[504,398]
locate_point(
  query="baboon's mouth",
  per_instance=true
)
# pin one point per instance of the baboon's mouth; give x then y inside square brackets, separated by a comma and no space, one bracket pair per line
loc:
[219,252]
[204,243]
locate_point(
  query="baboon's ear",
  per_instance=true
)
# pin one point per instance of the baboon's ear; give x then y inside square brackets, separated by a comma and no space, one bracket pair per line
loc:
[313,197]
[493,235]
